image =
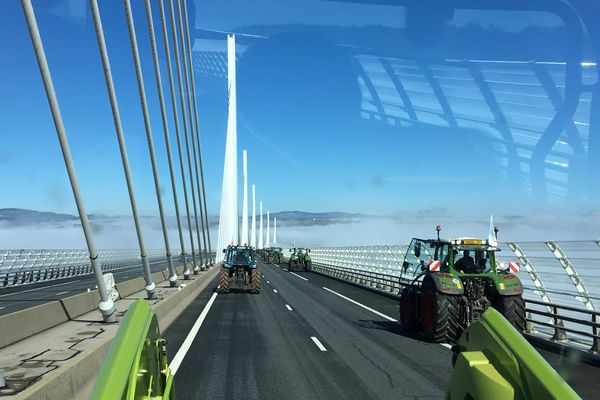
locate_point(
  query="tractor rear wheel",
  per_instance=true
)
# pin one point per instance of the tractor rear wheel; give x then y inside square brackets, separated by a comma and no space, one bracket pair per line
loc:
[308,266]
[512,308]
[408,309]
[224,281]
[440,314]
[255,280]
[291,266]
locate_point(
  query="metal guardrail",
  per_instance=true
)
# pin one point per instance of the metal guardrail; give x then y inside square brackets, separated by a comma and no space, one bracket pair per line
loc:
[21,267]
[562,282]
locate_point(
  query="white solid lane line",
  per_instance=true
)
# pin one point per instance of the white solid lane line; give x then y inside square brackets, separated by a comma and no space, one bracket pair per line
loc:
[446,345]
[361,305]
[65,292]
[318,343]
[187,343]
[301,277]
[39,288]
[288,307]
[275,290]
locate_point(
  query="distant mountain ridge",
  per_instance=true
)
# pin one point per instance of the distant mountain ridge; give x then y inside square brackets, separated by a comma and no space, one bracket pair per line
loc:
[24,217]
[20,216]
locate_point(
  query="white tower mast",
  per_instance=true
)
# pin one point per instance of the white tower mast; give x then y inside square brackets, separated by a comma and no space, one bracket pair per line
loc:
[274,230]
[244,239]
[253,232]
[228,218]
[260,227]
[268,229]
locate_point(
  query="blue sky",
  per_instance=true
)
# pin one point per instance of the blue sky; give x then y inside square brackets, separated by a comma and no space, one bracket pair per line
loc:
[302,115]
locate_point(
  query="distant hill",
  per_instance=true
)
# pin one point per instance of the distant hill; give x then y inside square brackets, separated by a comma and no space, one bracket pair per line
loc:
[319,218]
[20,216]
[24,217]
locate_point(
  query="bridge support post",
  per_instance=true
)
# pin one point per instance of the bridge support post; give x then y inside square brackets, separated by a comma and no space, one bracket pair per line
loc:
[186,269]
[206,226]
[189,134]
[150,287]
[106,306]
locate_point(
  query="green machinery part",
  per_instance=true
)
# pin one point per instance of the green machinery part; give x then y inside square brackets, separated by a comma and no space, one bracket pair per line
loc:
[136,365]
[494,361]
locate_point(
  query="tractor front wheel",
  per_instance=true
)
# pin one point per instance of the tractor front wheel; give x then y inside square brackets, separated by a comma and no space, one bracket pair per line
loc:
[440,314]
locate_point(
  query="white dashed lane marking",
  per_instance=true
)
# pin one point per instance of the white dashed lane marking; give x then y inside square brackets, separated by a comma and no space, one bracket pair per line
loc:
[301,277]
[361,305]
[318,343]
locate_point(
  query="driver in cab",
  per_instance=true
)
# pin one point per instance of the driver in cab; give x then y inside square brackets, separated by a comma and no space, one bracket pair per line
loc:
[466,263]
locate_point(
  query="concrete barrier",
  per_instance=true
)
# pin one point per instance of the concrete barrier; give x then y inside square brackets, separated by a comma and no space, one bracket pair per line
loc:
[75,381]
[80,304]
[160,276]
[130,287]
[22,324]
[25,323]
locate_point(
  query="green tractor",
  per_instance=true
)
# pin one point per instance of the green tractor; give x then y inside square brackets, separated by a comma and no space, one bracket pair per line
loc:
[240,267]
[272,254]
[300,258]
[277,254]
[452,282]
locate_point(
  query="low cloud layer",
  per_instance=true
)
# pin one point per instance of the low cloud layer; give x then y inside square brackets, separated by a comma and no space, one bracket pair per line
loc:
[118,232]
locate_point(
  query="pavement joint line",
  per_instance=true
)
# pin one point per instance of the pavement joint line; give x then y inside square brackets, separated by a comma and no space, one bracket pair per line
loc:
[446,345]
[65,292]
[301,277]
[39,288]
[275,290]
[288,307]
[361,305]
[318,343]
[187,343]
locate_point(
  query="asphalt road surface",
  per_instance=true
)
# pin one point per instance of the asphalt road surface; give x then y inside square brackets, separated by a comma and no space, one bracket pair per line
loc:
[307,336]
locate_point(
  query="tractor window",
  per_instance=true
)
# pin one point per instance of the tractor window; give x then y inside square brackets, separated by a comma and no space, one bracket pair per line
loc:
[442,254]
[473,261]
[240,256]
[418,253]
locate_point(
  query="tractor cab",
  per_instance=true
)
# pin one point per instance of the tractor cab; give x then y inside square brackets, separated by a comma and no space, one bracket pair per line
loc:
[456,256]
[240,256]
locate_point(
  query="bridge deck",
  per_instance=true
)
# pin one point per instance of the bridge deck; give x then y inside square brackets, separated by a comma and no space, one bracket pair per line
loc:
[253,346]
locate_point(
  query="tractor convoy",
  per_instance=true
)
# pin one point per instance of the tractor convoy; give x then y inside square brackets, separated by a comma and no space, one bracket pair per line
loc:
[448,284]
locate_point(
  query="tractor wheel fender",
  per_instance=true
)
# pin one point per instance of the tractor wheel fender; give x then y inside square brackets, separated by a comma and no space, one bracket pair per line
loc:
[507,284]
[445,283]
